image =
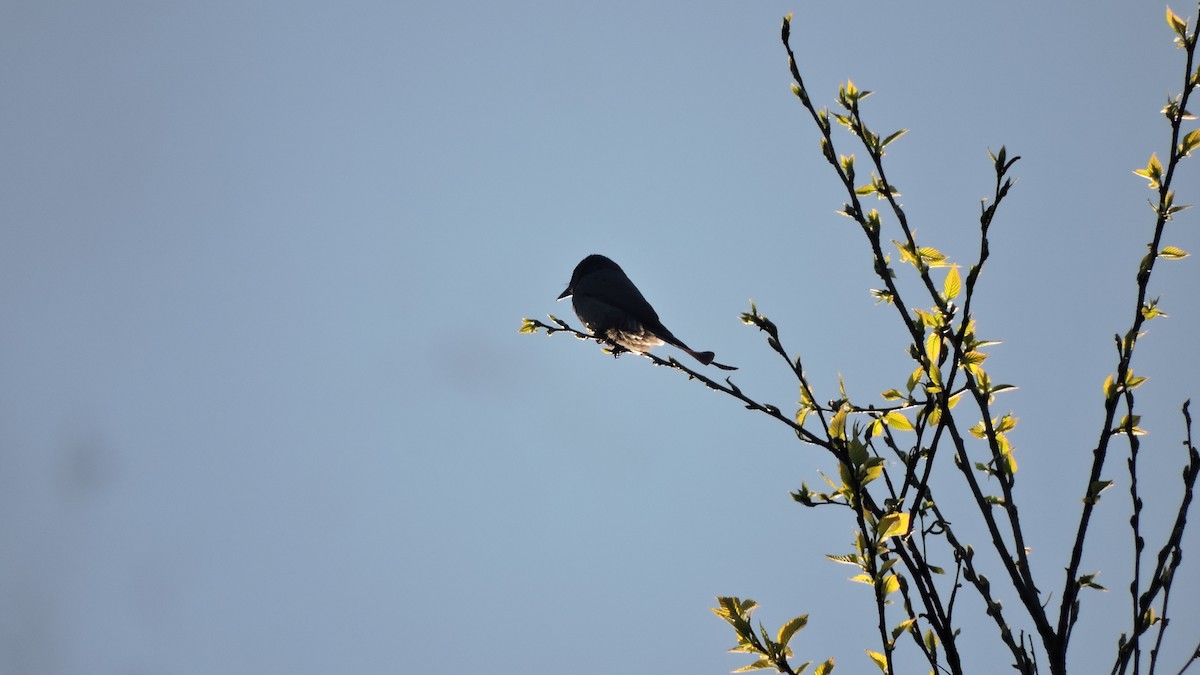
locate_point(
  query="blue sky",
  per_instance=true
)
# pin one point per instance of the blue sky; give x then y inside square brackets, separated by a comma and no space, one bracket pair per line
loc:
[265,405]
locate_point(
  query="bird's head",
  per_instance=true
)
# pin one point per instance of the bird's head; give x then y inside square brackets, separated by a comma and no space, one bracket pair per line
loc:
[593,263]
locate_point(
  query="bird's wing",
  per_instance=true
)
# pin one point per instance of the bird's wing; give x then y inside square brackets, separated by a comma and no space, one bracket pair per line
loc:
[612,287]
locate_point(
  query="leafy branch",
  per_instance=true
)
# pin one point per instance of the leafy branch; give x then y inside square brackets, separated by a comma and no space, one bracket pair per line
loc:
[772,653]
[902,531]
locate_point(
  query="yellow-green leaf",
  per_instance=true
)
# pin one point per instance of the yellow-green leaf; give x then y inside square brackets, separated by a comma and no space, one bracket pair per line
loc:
[1006,453]
[952,285]
[1150,312]
[892,137]
[907,254]
[1177,24]
[914,378]
[846,473]
[757,665]
[873,222]
[1094,490]
[1110,387]
[837,425]
[743,646]
[932,256]
[928,319]
[933,347]
[935,377]
[801,415]
[893,525]
[876,428]
[903,626]
[862,579]
[847,164]
[825,668]
[1173,252]
[1132,382]
[973,358]
[879,660]
[789,629]
[881,295]
[1152,172]
[872,471]
[896,420]
[1190,142]
[891,584]
[845,559]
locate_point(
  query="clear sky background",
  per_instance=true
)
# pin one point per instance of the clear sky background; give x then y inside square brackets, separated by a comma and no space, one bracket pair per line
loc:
[263,403]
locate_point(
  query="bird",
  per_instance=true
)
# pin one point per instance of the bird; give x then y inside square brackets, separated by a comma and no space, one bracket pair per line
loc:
[612,308]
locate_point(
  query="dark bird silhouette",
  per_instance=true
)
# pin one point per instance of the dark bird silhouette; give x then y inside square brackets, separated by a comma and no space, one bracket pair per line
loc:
[611,307]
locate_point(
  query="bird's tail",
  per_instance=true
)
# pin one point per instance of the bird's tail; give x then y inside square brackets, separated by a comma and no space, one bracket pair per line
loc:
[707,359]
[703,357]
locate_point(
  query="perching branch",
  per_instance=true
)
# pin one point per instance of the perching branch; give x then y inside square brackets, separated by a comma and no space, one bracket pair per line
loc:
[729,388]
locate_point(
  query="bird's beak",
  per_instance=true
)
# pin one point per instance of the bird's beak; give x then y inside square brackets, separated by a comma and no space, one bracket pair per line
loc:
[565,294]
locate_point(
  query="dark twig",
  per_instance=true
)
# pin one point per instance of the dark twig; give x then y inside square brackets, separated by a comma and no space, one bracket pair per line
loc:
[729,388]
[1068,610]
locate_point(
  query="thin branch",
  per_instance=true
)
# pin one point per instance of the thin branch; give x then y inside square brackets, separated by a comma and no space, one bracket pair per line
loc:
[1069,606]
[728,388]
